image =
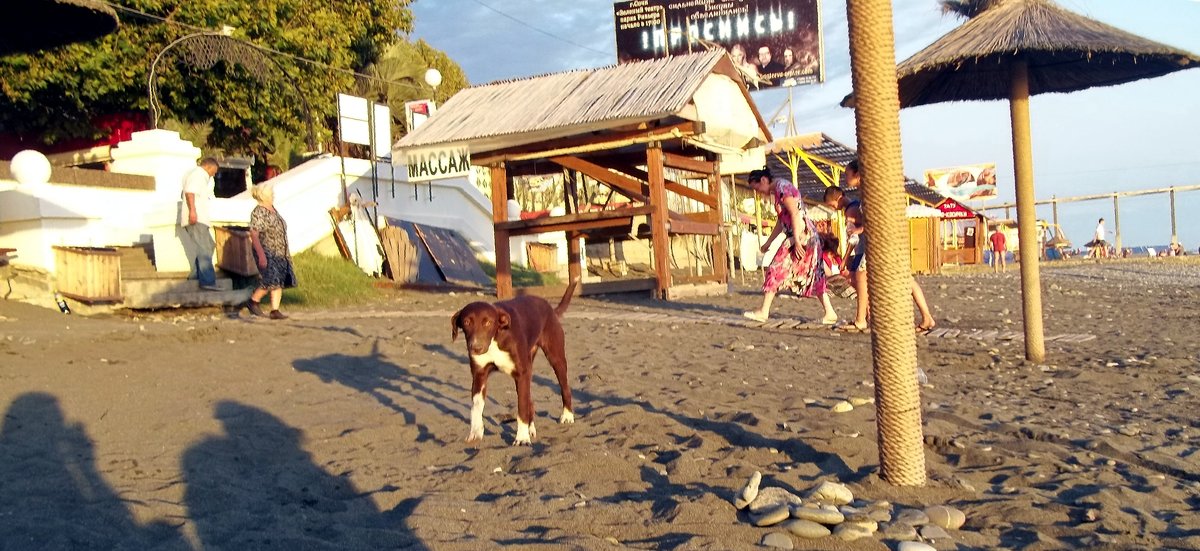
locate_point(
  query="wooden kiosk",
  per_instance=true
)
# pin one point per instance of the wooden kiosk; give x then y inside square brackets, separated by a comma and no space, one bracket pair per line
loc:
[641,129]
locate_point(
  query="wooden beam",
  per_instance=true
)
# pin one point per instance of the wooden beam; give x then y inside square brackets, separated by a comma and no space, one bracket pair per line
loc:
[693,227]
[680,162]
[627,186]
[672,186]
[659,237]
[591,143]
[504,287]
[578,221]
[720,268]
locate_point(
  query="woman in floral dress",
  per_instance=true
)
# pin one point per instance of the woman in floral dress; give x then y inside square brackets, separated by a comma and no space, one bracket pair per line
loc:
[268,234]
[797,263]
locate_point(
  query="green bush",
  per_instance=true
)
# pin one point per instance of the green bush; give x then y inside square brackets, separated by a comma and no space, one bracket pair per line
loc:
[326,282]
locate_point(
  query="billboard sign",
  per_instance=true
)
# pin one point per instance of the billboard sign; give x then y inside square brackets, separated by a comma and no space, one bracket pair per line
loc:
[772,42]
[437,163]
[964,183]
[953,210]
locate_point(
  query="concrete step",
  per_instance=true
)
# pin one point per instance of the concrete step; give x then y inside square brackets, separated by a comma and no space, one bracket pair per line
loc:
[175,293]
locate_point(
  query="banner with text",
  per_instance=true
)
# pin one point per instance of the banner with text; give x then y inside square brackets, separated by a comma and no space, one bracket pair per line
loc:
[772,42]
[437,163]
[964,183]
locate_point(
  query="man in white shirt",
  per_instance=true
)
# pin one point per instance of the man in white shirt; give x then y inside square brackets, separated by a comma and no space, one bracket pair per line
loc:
[194,222]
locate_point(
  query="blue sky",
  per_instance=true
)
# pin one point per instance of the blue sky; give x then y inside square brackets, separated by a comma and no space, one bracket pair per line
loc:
[1135,136]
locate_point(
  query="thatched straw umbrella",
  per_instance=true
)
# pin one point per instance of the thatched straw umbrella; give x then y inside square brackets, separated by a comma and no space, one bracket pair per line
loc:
[1009,49]
[44,24]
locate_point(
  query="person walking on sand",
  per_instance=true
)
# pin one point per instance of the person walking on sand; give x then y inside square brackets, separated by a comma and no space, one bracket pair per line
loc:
[856,255]
[797,262]
[999,249]
[194,222]
[1098,246]
[268,236]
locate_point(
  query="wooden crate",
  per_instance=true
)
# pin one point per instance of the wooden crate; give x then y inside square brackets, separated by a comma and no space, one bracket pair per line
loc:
[543,257]
[235,251]
[88,274]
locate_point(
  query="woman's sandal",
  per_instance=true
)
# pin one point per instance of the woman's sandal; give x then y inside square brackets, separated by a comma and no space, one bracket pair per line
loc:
[756,316]
[925,330]
[852,328]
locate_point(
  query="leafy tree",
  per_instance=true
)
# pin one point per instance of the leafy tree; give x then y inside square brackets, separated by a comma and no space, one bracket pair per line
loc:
[60,93]
[399,76]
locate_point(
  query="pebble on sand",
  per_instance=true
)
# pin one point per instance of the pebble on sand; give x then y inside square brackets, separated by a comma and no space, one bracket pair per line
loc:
[934,532]
[819,514]
[912,517]
[946,517]
[914,546]
[749,492]
[831,492]
[778,540]
[773,516]
[806,529]
[769,498]
[859,402]
[851,532]
[842,407]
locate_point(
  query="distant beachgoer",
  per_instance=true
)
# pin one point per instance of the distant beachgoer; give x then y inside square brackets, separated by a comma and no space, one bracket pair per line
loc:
[1098,247]
[268,235]
[999,250]
[797,262]
[856,254]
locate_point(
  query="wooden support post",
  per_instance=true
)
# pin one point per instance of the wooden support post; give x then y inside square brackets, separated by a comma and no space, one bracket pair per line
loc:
[1174,233]
[500,191]
[659,238]
[718,216]
[1054,207]
[574,260]
[1117,225]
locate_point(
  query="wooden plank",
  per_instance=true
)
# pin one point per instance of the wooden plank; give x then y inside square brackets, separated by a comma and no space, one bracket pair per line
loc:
[720,257]
[537,223]
[623,184]
[659,237]
[453,256]
[680,162]
[580,225]
[504,286]
[590,143]
[692,227]
[672,186]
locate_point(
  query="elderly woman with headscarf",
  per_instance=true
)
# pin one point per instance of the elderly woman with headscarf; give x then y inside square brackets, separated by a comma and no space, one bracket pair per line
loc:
[268,235]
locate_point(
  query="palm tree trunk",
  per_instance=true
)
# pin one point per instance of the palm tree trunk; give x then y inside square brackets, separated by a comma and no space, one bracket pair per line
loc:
[1031,282]
[893,341]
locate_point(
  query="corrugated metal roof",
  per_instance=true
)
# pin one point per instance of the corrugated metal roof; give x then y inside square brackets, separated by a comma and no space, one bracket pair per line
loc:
[625,93]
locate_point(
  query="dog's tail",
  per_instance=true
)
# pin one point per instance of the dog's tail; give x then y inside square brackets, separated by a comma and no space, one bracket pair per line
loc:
[566,299]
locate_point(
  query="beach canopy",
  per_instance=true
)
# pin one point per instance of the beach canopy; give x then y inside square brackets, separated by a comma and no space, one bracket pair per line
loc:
[44,24]
[1010,49]
[1064,52]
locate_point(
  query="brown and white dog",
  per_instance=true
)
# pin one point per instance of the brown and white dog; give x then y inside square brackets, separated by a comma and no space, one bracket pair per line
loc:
[505,336]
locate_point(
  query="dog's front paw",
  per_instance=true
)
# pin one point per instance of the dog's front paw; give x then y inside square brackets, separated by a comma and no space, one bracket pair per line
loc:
[567,417]
[525,434]
[475,435]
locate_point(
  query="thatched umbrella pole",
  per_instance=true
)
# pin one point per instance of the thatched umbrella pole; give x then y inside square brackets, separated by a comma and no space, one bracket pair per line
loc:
[1031,280]
[893,342]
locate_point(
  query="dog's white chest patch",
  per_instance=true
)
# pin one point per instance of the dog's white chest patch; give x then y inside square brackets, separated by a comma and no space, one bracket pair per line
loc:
[502,359]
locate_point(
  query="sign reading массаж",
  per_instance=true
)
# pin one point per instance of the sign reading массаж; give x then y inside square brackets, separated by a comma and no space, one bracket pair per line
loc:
[772,42]
[436,163]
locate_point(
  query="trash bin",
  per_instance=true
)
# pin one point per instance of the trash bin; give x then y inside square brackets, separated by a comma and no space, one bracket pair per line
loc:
[235,252]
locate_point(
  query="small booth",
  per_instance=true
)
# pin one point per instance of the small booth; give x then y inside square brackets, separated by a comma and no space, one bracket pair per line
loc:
[651,134]
[963,233]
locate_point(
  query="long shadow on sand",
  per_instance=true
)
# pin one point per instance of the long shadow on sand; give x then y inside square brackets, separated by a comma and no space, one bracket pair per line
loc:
[52,496]
[375,376]
[254,487]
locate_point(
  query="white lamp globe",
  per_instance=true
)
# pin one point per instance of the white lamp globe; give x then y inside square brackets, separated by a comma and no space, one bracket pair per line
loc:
[433,77]
[30,167]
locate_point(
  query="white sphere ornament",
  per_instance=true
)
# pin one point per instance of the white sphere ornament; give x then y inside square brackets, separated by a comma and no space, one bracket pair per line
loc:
[433,77]
[30,167]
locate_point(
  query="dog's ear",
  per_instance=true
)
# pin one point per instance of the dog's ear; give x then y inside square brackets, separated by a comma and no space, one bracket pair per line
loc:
[502,319]
[455,326]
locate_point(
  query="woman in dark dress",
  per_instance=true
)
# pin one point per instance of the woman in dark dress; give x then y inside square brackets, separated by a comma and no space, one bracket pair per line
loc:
[268,233]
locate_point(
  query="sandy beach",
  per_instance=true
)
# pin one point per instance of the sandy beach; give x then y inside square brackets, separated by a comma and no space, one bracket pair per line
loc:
[344,429]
